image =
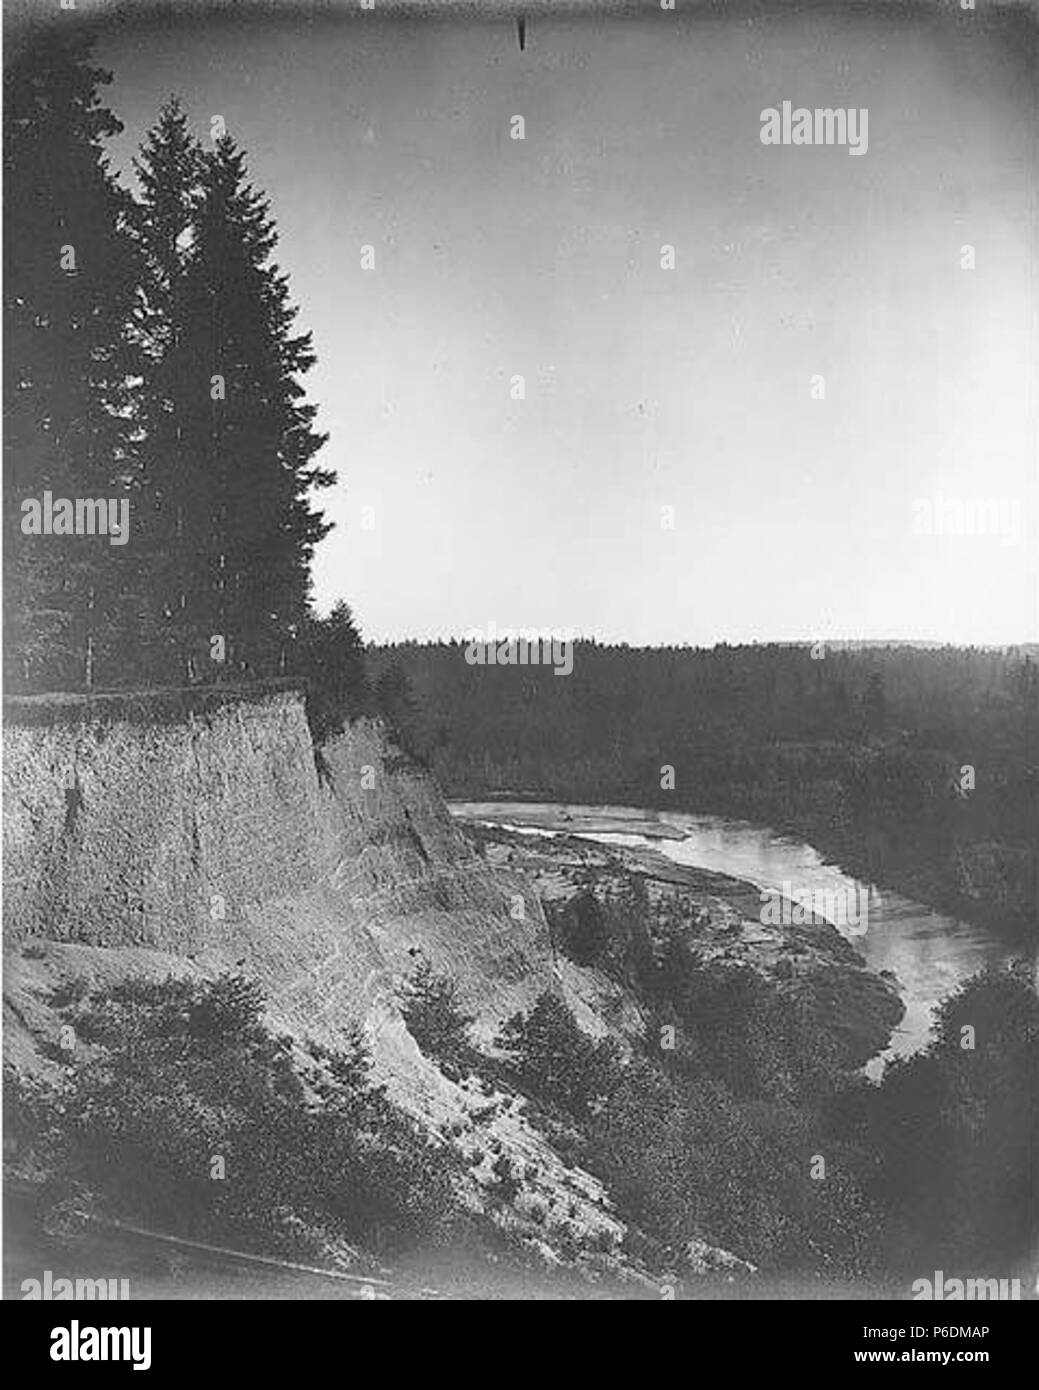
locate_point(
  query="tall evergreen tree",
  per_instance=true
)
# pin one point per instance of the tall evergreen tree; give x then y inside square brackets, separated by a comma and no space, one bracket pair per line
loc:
[239,444]
[69,298]
[169,174]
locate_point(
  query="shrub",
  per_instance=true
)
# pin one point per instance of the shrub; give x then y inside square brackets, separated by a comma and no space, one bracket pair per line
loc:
[69,992]
[507,1185]
[435,1019]
[583,930]
[186,1073]
[956,1126]
[554,1060]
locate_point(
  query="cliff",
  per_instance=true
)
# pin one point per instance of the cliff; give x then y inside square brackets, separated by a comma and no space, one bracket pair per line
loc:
[200,833]
[219,837]
[165,837]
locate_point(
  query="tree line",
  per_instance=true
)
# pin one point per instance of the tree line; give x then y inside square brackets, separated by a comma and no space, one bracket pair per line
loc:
[150,358]
[915,768]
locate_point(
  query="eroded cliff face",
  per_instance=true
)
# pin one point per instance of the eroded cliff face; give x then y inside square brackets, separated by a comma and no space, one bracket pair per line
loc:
[221,835]
[117,832]
[216,840]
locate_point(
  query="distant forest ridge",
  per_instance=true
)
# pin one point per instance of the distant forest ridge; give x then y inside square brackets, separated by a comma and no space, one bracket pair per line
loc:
[914,766]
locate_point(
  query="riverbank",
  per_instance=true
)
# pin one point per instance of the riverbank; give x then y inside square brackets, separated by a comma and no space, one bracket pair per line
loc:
[968,893]
[612,855]
[914,770]
[907,943]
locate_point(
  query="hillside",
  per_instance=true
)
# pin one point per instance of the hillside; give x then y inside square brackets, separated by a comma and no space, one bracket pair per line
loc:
[199,836]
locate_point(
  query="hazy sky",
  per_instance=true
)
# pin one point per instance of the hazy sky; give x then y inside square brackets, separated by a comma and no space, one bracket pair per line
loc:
[647,388]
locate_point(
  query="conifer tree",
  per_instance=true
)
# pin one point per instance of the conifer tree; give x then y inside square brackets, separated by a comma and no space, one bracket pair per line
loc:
[169,173]
[240,454]
[69,294]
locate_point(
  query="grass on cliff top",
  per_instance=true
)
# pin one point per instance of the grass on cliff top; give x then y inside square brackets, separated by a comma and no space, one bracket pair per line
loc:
[162,704]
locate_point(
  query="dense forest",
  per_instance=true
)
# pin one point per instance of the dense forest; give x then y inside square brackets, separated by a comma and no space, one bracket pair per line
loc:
[159,454]
[916,768]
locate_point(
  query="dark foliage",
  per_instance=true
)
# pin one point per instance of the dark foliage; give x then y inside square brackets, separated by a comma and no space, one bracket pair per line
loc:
[180,1109]
[549,1054]
[231,444]
[861,751]
[436,1020]
[70,278]
[684,1159]
[330,654]
[150,359]
[582,930]
[956,1126]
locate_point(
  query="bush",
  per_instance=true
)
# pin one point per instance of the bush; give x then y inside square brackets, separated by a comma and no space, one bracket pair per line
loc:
[759,1041]
[192,1117]
[435,1019]
[583,930]
[553,1060]
[682,1156]
[507,1185]
[956,1127]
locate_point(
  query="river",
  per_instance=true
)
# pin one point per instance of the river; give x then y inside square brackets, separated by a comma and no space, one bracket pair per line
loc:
[928,953]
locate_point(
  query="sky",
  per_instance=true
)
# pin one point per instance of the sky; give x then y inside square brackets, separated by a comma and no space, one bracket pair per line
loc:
[793,515]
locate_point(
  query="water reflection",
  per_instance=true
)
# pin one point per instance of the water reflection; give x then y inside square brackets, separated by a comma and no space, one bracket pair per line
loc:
[927,952]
